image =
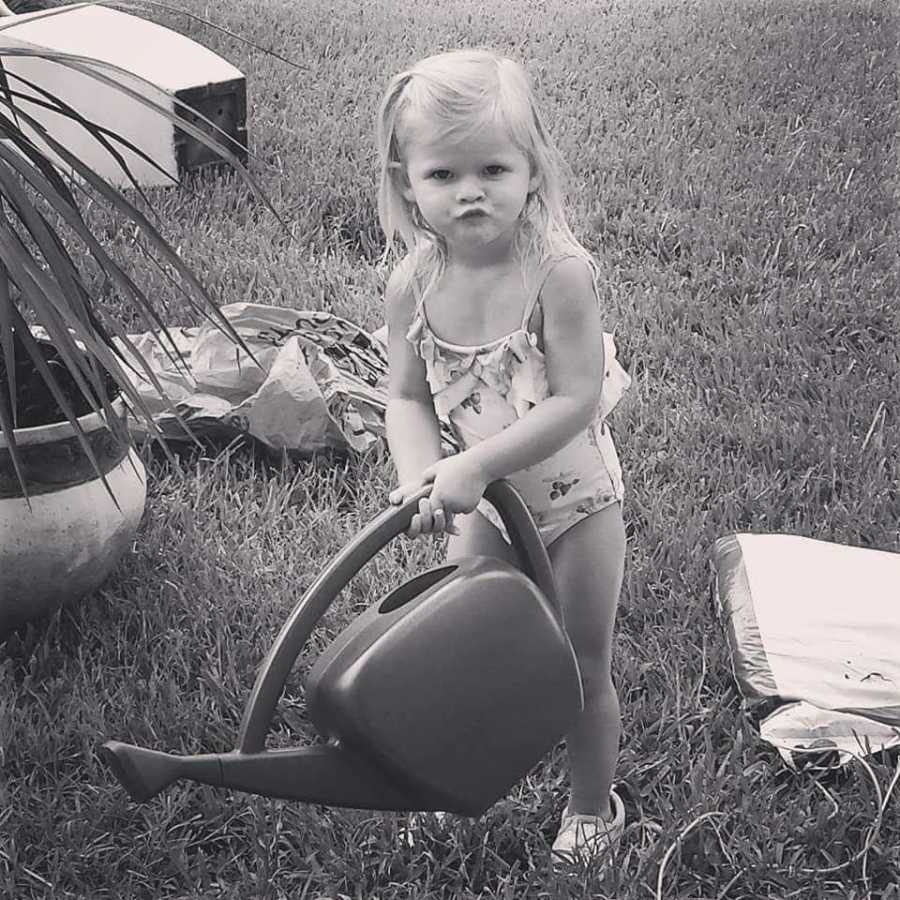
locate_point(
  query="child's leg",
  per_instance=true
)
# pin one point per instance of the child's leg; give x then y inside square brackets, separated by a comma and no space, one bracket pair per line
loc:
[588,562]
[478,537]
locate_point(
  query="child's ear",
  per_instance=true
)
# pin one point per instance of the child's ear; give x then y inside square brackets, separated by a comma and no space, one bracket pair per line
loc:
[398,170]
[534,182]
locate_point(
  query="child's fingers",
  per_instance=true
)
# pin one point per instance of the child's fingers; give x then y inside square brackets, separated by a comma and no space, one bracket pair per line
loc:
[415,526]
[443,521]
[403,492]
[426,516]
[430,519]
[439,518]
[439,525]
[421,522]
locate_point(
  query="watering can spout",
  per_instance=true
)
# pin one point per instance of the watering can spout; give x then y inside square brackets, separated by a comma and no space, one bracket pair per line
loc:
[326,773]
[419,710]
[144,773]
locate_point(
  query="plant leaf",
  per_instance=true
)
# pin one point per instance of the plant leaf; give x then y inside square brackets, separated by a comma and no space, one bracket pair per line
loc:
[97,131]
[7,427]
[53,310]
[177,9]
[55,291]
[65,206]
[92,68]
[7,347]
[44,294]
[127,209]
[74,219]
[47,298]
[28,341]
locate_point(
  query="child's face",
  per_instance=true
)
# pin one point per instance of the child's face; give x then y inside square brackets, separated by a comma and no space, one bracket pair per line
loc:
[469,189]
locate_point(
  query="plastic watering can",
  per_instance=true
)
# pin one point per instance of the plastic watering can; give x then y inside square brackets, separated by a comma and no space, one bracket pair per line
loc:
[440,696]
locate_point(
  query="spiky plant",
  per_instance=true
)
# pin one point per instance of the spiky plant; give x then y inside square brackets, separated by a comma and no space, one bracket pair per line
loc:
[43,232]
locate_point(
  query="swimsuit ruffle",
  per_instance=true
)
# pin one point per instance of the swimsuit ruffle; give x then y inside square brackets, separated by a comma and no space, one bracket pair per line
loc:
[514,368]
[615,379]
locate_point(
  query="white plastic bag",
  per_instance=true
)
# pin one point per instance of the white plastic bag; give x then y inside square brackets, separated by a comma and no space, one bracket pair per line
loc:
[814,625]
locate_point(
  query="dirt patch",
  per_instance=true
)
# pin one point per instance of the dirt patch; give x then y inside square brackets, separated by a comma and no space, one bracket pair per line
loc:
[35,405]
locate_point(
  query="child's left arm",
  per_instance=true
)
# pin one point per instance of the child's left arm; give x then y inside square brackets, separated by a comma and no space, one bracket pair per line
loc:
[573,351]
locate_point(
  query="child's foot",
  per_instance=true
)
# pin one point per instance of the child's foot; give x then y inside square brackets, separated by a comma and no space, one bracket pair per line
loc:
[584,838]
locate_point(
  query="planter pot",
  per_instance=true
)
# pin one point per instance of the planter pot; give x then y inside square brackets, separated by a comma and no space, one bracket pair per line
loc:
[73,535]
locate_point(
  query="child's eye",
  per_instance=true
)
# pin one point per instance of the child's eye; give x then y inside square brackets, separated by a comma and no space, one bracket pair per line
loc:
[441,175]
[494,170]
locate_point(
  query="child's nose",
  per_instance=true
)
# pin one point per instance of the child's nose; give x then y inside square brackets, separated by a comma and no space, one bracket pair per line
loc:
[469,189]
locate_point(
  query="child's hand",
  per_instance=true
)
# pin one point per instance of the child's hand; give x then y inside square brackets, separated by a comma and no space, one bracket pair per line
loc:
[458,485]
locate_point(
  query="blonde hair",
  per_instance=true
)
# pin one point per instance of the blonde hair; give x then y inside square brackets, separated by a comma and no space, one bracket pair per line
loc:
[457,93]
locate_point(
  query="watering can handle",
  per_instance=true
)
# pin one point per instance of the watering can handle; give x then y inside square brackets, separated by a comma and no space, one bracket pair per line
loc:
[380,531]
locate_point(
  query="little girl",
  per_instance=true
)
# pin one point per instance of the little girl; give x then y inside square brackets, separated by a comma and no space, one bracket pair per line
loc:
[494,325]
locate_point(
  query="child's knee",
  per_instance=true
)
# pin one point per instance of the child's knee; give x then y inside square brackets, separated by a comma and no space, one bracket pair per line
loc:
[595,667]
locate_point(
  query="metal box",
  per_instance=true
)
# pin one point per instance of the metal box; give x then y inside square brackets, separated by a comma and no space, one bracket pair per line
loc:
[171,66]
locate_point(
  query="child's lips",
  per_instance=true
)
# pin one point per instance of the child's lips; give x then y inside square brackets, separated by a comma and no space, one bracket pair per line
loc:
[472,214]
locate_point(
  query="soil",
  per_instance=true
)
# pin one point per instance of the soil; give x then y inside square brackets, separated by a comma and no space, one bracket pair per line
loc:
[34,402]
[26,6]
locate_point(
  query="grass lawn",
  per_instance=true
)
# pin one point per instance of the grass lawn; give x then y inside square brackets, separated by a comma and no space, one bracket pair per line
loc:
[734,168]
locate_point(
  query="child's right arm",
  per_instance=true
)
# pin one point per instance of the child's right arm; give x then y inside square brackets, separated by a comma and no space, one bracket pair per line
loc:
[413,431]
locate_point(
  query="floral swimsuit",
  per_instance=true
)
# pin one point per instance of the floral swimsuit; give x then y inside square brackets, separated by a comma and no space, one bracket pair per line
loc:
[480,390]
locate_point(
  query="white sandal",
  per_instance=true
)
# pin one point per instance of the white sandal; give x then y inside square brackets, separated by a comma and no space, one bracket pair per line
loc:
[583,838]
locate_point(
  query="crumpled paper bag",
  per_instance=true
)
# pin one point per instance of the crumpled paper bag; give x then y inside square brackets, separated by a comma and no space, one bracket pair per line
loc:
[320,382]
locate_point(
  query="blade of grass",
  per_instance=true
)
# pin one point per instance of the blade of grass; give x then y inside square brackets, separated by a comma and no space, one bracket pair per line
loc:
[169,8]
[180,10]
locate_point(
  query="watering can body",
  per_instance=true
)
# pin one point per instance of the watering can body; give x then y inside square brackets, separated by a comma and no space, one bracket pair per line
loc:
[451,684]
[441,695]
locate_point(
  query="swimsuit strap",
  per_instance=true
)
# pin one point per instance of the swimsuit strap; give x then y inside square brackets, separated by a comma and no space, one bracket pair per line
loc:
[533,304]
[419,296]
